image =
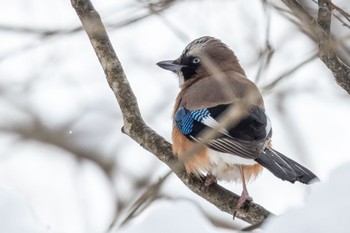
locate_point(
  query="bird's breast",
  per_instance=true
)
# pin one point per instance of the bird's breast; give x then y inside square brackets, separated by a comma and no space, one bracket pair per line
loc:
[194,163]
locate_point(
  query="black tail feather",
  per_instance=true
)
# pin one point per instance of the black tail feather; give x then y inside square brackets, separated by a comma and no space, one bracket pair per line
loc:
[284,167]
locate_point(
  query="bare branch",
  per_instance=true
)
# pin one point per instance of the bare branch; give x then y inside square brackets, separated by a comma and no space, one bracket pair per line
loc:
[320,33]
[135,127]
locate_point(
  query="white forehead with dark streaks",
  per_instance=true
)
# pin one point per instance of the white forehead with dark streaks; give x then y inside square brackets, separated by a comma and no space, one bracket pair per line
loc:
[195,47]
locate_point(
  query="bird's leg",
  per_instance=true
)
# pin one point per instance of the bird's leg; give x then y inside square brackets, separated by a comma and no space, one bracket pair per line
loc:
[209,179]
[244,196]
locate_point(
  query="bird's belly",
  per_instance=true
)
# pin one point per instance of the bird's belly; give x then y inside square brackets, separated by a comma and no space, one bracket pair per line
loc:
[225,166]
[219,157]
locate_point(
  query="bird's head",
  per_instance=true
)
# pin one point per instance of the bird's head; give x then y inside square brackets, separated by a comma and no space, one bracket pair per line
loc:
[201,58]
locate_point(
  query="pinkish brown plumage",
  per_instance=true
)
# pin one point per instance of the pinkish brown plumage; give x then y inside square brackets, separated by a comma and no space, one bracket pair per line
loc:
[213,82]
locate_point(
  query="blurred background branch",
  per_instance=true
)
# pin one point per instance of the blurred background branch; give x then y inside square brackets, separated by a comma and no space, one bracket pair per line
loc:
[319,30]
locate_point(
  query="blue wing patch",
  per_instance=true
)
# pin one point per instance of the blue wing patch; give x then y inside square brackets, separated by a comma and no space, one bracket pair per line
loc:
[184,118]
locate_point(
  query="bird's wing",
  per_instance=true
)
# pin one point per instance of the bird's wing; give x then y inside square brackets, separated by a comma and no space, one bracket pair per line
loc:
[246,138]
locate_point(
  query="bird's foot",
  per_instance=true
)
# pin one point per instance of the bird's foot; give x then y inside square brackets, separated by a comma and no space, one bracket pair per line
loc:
[242,201]
[209,179]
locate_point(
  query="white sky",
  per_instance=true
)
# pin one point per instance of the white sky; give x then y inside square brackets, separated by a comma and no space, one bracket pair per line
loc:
[59,80]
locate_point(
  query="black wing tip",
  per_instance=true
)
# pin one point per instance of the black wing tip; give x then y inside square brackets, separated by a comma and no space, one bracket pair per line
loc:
[307,179]
[286,168]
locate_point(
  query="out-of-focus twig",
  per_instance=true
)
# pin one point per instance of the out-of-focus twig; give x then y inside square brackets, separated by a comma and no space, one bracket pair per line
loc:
[140,204]
[149,9]
[271,85]
[266,55]
[61,137]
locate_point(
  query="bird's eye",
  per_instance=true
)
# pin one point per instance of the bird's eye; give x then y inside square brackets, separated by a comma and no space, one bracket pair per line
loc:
[195,60]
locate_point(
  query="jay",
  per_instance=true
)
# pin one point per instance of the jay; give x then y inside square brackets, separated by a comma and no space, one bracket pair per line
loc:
[213,87]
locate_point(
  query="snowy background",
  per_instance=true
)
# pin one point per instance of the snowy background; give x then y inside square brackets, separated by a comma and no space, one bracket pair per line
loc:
[65,166]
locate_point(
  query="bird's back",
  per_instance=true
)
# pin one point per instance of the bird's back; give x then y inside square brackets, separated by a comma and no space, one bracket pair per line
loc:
[225,88]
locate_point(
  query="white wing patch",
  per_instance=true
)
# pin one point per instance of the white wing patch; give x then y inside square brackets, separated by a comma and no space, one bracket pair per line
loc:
[212,123]
[209,121]
[268,126]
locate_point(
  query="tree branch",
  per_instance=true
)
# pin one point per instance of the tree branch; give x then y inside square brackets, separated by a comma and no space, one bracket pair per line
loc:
[135,127]
[320,33]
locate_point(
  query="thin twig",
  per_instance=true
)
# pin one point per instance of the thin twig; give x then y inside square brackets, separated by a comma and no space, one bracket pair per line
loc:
[268,52]
[140,204]
[271,85]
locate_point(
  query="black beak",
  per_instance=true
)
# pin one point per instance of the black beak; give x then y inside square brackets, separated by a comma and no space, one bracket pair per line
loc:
[170,65]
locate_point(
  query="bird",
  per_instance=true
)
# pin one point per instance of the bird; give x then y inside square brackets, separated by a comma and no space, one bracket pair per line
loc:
[215,88]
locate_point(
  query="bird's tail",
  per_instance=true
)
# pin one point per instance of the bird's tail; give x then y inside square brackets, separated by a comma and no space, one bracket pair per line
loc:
[284,167]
